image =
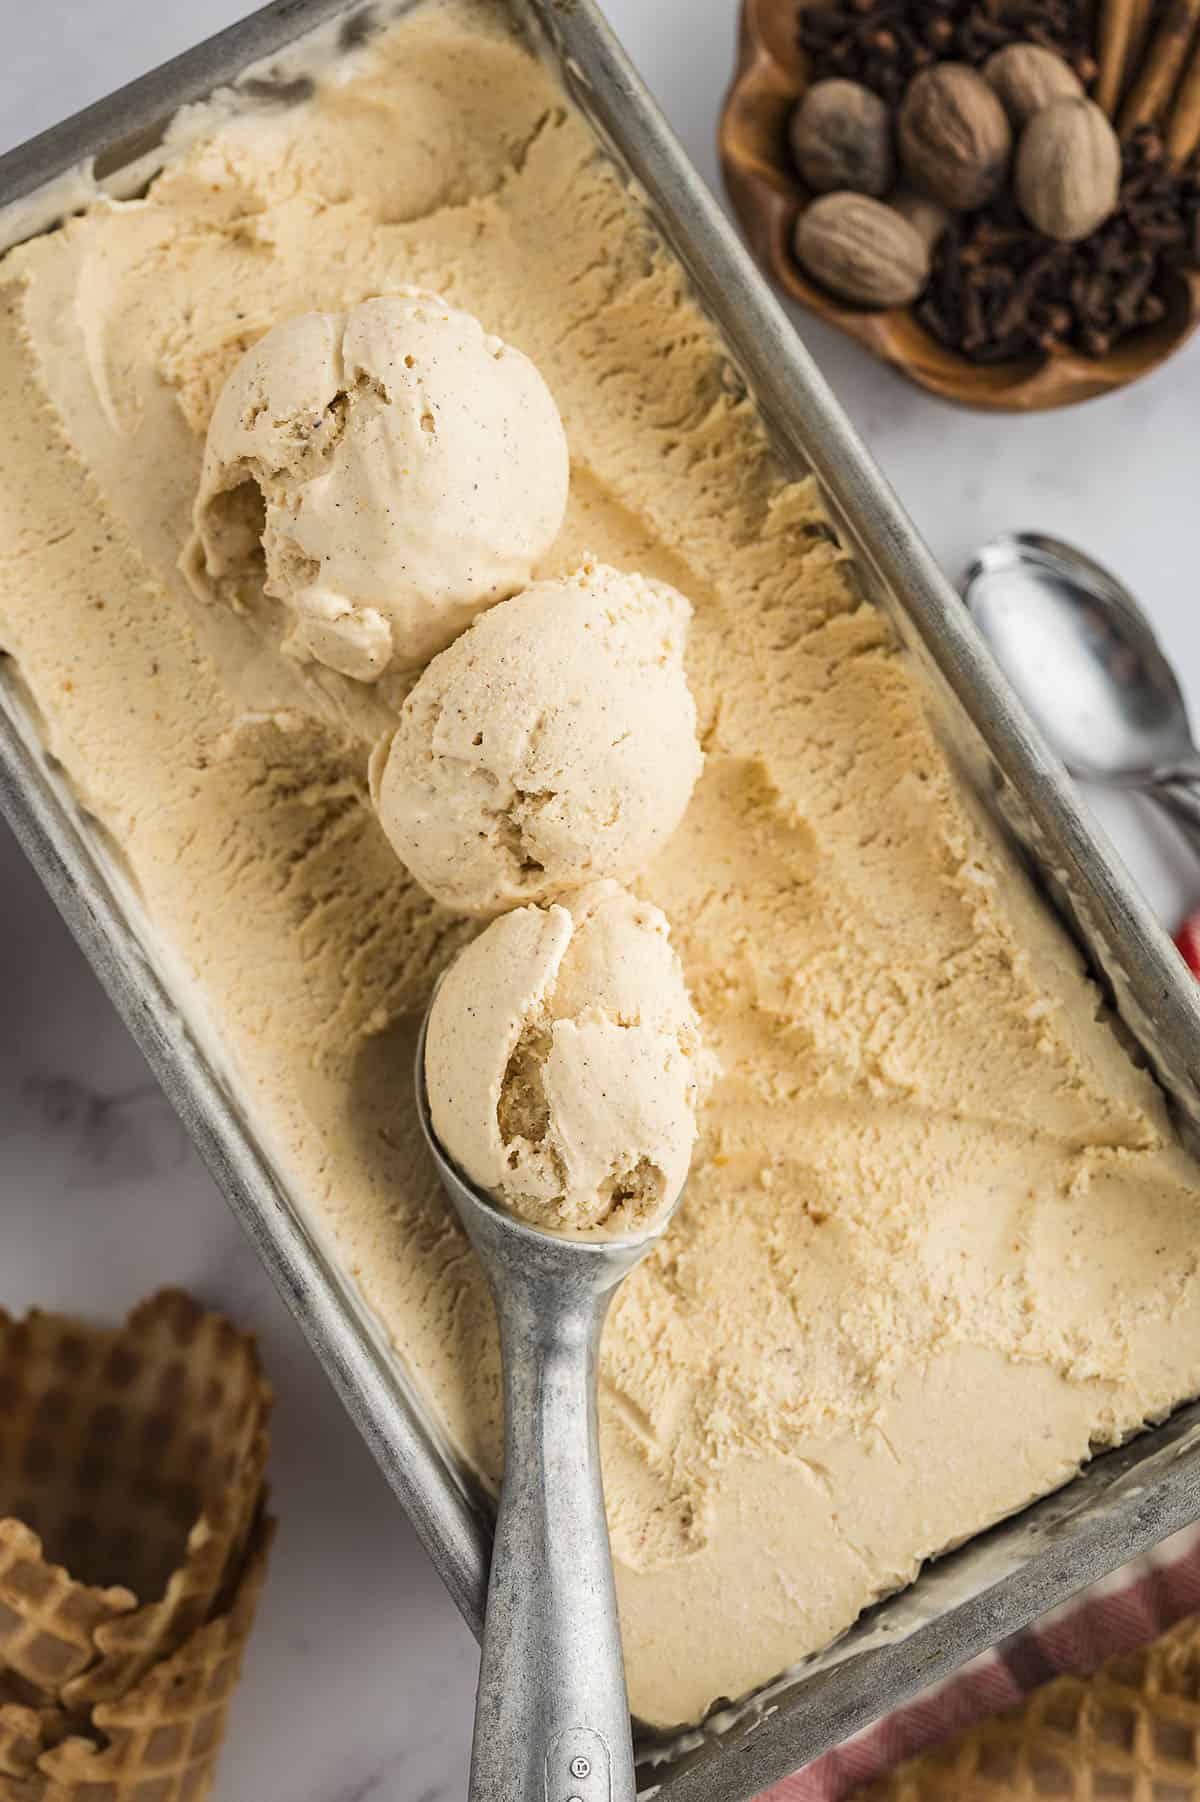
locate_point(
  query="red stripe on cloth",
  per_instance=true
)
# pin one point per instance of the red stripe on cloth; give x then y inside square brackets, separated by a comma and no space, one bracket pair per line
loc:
[1126,1610]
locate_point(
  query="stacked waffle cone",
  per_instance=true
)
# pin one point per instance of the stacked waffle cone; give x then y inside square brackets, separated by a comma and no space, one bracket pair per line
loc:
[133,1547]
[1130,1733]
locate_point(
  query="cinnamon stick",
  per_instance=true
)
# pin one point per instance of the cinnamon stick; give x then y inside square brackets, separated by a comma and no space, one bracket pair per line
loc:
[1183,131]
[1122,31]
[1143,13]
[1165,58]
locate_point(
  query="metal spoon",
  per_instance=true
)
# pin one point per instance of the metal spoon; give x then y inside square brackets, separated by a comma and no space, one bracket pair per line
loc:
[552,1715]
[1083,657]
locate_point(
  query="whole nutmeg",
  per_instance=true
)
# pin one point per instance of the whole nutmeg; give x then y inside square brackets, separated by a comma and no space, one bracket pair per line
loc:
[954,136]
[862,251]
[1068,170]
[1025,78]
[928,218]
[841,137]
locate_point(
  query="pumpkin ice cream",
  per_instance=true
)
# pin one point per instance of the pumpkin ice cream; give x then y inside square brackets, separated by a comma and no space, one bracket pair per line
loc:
[938,1243]
[385,473]
[564,1064]
[554,744]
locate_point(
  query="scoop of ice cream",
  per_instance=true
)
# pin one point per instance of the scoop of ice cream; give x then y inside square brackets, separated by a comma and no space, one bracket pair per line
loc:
[565,1065]
[385,473]
[552,745]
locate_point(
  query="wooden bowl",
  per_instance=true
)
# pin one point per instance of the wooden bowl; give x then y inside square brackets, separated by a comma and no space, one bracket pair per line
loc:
[768,195]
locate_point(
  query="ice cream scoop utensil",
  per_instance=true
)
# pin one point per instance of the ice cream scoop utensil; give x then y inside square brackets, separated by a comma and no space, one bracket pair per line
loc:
[1083,657]
[552,1716]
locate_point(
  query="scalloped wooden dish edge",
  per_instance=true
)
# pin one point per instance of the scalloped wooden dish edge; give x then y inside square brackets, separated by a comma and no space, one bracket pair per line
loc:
[767,199]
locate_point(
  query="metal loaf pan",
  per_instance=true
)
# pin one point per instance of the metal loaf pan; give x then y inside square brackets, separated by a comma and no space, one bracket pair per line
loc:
[1126,1500]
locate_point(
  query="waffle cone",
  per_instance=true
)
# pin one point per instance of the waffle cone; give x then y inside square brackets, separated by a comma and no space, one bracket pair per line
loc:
[129,1644]
[131,1465]
[21,1740]
[48,1621]
[1130,1733]
[25,1734]
[160,1741]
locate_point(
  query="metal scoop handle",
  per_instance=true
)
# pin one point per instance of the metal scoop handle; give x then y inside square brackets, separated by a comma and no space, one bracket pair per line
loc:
[552,1715]
[552,1718]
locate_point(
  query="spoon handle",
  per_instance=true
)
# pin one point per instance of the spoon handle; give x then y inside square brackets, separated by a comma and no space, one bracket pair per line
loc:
[552,1718]
[1178,794]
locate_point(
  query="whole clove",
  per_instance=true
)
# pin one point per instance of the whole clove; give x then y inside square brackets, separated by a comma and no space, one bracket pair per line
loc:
[884,43]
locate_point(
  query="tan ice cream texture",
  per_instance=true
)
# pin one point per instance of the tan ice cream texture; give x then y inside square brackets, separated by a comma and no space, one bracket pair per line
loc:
[552,745]
[564,1064]
[938,1242]
[384,472]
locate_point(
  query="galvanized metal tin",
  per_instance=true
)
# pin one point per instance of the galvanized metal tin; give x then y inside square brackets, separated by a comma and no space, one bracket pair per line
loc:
[1123,1502]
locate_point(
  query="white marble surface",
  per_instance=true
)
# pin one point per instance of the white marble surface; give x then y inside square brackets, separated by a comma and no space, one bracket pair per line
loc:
[360,1680]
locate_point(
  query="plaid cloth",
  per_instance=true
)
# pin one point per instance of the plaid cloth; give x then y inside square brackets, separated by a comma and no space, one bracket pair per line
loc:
[1133,1606]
